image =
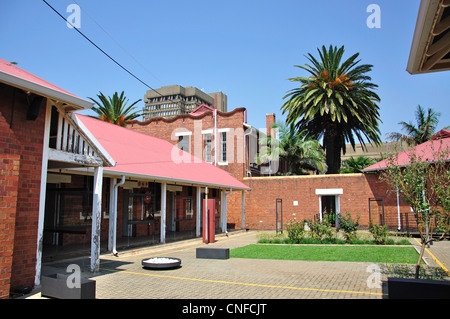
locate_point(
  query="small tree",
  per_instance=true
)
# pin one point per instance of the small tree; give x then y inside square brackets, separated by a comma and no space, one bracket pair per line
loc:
[425,186]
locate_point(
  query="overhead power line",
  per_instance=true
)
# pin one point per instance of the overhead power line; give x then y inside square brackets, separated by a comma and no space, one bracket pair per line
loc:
[117,42]
[111,58]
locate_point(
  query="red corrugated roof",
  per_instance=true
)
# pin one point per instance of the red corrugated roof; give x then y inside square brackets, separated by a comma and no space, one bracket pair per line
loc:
[17,77]
[12,69]
[425,151]
[141,155]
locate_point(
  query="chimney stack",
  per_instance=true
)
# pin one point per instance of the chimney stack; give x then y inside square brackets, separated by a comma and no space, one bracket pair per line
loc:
[270,120]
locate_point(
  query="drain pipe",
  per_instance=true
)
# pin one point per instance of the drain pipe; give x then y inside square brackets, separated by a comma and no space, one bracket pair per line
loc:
[116,190]
[399,227]
[246,165]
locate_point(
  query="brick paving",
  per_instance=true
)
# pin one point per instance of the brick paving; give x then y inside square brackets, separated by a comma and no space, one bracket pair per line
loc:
[124,277]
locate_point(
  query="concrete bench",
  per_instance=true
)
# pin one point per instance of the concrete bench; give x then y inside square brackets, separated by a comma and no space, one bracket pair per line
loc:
[55,286]
[213,253]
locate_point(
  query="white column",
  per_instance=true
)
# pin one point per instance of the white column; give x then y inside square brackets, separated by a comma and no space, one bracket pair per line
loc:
[398,210]
[199,212]
[205,224]
[338,211]
[96,219]
[112,214]
[320,207]
[42,195]
[222,210]
[163,213]
[225,209]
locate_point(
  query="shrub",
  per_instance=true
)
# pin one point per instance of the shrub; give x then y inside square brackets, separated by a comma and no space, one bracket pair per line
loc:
[379,233]
[296,230]
[348,226]
[320,229]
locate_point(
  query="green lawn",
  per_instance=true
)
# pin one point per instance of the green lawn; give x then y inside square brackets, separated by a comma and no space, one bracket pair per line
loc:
[376,254]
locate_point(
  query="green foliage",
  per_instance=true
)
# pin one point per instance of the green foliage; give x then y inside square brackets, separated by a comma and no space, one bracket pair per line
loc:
[114,109]
[379,233]
[356,165]
[320,229]
[349,226]
[407,271]
[425,186]
[424,130]
[296,230]
[301,154]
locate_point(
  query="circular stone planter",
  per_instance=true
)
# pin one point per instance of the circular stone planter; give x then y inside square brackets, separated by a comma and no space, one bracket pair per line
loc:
[161,263]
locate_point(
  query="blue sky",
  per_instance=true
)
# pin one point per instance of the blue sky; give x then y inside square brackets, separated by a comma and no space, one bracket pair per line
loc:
[246,49]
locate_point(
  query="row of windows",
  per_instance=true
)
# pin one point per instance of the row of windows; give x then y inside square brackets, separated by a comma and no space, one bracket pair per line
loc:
[162,106]
[184,142]
[162,114]
[176,97]
[151,108]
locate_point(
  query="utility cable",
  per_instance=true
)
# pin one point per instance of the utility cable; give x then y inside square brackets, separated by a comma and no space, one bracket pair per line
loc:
[112,59]
[117,42]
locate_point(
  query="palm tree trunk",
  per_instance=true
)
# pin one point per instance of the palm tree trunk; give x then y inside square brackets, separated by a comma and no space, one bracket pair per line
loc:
[332,146]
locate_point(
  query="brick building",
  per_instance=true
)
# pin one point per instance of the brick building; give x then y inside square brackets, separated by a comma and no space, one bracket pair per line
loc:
[27,106]
[71,180]
[223,139]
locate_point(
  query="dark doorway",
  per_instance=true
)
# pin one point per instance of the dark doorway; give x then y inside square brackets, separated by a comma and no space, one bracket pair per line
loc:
[329,209]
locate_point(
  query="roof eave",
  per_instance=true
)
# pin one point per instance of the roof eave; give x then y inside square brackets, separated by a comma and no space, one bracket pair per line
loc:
[74,103]
[118,173]
[424,24]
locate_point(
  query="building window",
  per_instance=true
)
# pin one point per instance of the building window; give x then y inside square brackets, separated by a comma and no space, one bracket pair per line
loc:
[223,146]
[183,142]
[207,150]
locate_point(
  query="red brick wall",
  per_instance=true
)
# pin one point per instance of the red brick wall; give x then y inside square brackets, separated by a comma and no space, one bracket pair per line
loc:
[9,170]
[22,137]
[260,205]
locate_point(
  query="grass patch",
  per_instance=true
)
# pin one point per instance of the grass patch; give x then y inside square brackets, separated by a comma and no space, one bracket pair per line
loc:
[375,254]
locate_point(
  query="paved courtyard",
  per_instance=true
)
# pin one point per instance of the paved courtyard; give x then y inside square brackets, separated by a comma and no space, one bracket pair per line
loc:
[124,277]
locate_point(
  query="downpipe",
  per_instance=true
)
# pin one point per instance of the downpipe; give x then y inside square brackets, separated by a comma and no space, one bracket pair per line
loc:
[116,190]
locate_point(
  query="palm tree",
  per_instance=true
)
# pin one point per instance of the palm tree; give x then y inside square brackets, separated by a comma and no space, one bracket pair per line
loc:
[336,103]
[114,109]
[356,165]
[417,134]
[301,154]
[269,153]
